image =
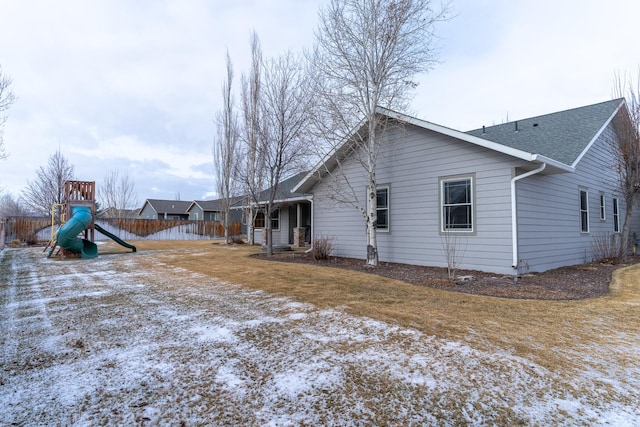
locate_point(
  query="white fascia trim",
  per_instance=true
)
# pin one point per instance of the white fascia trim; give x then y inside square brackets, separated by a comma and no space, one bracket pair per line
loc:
[325,160]
[308,198]
[597,135]
[553,163]
[494,146]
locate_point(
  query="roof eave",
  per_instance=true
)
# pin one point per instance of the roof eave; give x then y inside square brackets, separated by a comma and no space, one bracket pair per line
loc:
[597,135]
[310,179]
[485,143]
[305,198]
[553,166]
[306,183]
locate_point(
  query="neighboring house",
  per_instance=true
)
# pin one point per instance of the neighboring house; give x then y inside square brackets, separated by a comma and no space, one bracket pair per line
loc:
[291,221]
[527,195]
[164,209]
[211,210]
[205,210]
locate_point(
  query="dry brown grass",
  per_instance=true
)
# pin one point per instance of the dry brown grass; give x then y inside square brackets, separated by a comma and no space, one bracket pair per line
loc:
[578,359]
[550,333]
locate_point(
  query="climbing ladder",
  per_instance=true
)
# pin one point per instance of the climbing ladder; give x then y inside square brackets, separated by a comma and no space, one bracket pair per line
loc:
[54,231]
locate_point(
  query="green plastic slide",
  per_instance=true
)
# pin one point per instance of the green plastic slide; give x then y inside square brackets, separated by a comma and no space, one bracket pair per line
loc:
[67,236]
[115,238]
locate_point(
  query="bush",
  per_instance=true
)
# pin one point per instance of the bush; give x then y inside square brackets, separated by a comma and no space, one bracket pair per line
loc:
[604,248]
[322,248]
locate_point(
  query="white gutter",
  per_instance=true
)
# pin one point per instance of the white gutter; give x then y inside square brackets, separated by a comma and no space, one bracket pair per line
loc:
[514,213]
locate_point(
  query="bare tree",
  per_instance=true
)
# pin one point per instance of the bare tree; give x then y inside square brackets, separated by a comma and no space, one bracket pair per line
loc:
[453,251]
[117,193]
[7,98]
[366,55]
[11,207]
[284,116]
[225,149]
[48,187]
[626,151]
[251,173]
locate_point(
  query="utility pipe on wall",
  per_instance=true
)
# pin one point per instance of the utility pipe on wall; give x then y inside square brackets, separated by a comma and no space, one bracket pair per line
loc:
[514,213]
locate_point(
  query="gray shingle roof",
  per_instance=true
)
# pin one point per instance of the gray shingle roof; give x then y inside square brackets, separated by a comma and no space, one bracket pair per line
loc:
[561,136]
[284,189]
[217,204]
[169,206]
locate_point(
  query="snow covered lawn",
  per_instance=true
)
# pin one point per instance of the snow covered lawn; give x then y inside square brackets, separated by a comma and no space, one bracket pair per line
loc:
[106,342]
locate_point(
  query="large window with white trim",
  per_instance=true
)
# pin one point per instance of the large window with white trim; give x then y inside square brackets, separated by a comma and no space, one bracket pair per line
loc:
[584,211]
[456,200]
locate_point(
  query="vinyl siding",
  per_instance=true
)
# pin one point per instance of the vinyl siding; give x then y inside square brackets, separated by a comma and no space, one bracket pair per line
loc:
[411,162]
[148,212]
[549,210]
[280,236]
[196,213]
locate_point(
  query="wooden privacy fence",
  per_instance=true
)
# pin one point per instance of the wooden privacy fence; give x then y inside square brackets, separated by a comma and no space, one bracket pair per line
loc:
[27,229]
[147,227]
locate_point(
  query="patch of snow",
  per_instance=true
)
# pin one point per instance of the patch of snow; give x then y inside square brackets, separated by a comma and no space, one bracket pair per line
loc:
[93,346]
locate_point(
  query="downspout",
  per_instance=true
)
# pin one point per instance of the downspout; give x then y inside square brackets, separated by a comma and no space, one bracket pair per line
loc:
[312,230]
[514,215]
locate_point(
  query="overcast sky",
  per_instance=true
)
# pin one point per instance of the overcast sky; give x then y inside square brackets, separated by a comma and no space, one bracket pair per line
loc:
[134,85]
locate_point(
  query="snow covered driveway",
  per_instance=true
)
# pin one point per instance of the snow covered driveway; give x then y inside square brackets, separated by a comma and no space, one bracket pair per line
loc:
[104,342]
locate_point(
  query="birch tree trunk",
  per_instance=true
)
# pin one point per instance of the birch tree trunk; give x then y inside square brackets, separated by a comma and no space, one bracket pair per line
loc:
[366,56]
[372,212]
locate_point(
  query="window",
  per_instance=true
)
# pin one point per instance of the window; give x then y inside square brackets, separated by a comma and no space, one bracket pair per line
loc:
[603,214]
[456,196]
[258,222]
[584,211]
[382,208]
[616,216]
[275,220]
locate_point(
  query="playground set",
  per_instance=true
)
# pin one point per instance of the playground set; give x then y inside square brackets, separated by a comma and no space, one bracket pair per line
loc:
[77,215]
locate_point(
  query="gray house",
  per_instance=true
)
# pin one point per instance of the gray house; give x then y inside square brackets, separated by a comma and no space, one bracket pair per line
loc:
[291,221]
[164,209]
[204,210]
[527,195]
[211,210]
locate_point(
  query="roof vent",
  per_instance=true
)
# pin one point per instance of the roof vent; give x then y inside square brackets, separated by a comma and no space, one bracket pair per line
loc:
[535,125]
[516,126]
[483,130]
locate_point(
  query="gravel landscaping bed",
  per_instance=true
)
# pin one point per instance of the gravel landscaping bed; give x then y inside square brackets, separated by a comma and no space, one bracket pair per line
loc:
[567,283]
